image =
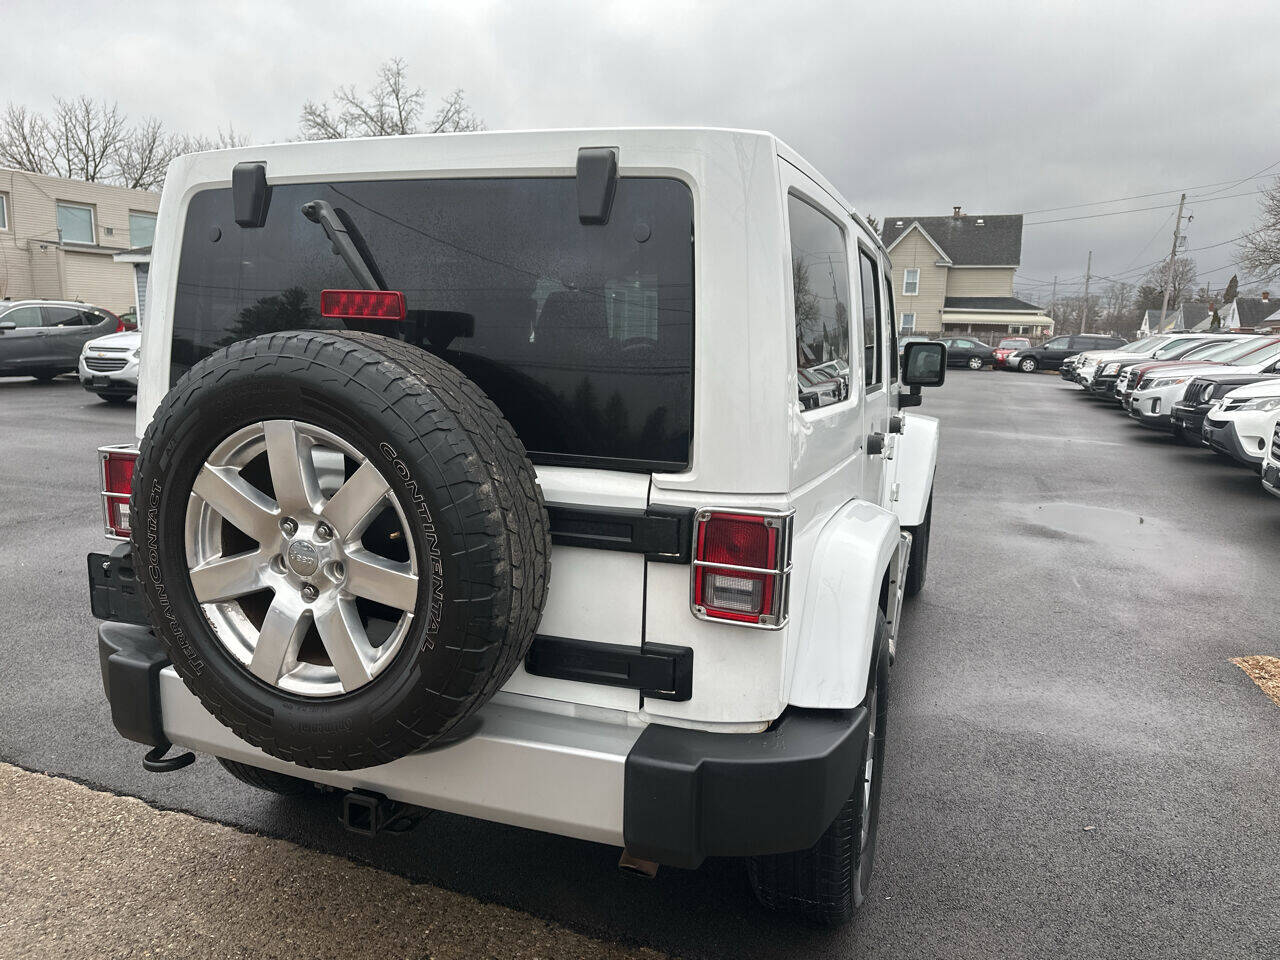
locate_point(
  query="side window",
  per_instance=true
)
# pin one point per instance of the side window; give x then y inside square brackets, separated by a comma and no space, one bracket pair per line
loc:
[820,287]
[911,282]
[22,317]
[1058,343]
[63,317]
[873,374]
[891,329]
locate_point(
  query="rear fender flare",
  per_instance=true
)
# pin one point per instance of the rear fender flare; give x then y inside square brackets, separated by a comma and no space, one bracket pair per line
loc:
[837,632]
[915,459]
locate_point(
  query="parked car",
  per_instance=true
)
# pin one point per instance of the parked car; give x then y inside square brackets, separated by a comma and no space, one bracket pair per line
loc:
[109,366]
[1050,354]
[1103,383]
[1204,357]
[967,352]
[1007,346]
[346,548]
[43,338]
[1242,423]
[1202,391]
[1082,367]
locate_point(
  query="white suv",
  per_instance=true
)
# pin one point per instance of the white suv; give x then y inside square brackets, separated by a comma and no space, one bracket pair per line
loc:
[556,479]
[1242,423]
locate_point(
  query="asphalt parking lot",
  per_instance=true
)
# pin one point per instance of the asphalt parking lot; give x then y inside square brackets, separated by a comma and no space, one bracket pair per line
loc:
[1075,767]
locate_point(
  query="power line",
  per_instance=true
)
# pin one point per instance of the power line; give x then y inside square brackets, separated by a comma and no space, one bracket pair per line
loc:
[1158,193]
[1119,213]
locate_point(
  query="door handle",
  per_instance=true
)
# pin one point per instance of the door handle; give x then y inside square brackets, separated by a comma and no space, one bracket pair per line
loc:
[875,444]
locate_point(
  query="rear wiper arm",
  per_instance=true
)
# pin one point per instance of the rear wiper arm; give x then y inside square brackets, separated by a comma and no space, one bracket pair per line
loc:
[347,243]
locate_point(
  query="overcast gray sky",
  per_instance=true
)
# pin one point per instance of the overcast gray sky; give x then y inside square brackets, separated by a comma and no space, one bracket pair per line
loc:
[1000,107]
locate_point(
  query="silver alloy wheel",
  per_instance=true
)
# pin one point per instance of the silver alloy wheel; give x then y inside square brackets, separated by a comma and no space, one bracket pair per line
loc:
[310,555]
[975,363]
[1028,365]
[870,769]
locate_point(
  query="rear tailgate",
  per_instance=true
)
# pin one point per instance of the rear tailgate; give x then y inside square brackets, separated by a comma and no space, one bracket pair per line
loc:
[595,595]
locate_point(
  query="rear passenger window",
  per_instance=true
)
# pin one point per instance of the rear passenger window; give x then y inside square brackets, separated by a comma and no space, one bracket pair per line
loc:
[870,319]
[62,317]
[820,286]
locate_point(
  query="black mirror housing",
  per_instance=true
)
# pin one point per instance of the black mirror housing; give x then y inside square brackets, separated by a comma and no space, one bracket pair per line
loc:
[924,364]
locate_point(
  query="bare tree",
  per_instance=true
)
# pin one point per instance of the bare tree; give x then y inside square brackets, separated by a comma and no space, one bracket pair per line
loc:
[92,140]
[1260,250]
[1117,298]
[84,136]
[389,108]
[24,140]
[1183,271]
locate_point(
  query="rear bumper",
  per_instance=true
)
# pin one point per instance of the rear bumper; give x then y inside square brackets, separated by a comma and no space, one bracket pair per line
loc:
[668,794]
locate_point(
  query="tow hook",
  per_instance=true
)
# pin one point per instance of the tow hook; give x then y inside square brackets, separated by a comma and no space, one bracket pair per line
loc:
[155,760]
[648,869]
[368,814]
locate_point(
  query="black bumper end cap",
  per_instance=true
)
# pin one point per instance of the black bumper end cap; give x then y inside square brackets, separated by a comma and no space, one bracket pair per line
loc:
[131,659]
[692,794]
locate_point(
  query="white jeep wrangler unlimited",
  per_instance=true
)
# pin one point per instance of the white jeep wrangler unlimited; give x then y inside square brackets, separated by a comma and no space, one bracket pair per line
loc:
[555,479]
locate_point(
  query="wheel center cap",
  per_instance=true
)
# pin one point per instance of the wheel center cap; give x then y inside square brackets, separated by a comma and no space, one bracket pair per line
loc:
[303,557]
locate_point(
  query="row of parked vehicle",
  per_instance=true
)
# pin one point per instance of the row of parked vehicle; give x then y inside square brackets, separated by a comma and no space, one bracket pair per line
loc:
[1220,390]
[1018,353]
[47,338]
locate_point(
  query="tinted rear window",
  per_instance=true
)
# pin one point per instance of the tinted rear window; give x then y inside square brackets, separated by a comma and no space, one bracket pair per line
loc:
[582,335]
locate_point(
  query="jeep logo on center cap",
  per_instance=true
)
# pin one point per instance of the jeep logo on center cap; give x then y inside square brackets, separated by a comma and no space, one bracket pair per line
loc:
[303,558]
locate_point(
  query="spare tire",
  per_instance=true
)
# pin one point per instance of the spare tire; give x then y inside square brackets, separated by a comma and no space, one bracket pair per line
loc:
[346,551]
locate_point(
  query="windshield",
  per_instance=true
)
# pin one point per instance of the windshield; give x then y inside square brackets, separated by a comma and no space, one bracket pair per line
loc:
[1176,349]
[1217,350]
[1259,354]
[1141,346]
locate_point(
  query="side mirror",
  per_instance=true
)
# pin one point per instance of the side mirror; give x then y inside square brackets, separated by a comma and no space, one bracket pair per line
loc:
[924,364]
[8,325]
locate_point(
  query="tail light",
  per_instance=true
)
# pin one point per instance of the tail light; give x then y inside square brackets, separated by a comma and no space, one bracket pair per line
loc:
[362,304]
[741,567]
[117,483]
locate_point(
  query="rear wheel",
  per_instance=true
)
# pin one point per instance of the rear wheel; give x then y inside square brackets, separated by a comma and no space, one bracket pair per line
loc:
[268,780]
[828,882]
[975,363]
[1028,365]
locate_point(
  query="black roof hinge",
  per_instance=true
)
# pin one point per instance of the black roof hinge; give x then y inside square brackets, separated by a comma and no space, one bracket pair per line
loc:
[250,193]
[597,181]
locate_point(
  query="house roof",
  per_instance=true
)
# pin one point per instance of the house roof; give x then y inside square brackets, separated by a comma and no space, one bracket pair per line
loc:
[1007,304]
[997,242]
[1251,311]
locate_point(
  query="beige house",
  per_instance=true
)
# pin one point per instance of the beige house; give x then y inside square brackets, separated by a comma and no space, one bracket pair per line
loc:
[58,238]
[955,275]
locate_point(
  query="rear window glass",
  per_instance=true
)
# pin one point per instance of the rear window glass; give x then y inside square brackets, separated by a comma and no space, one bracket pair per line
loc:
[582,335]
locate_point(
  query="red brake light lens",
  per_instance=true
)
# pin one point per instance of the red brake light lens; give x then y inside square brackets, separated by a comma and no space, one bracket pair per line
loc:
[362,304]
[117,483]
[737,576]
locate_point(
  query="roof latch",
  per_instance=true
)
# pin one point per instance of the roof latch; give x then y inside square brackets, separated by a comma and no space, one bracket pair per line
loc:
[597,181]
[250,193]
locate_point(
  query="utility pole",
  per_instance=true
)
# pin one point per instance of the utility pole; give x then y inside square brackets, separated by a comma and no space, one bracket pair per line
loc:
[1053,300]
[1084,317]
[1173,255]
